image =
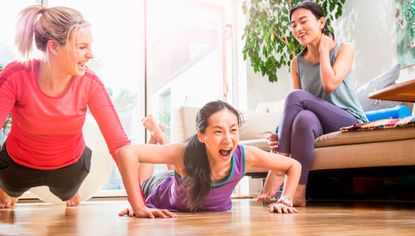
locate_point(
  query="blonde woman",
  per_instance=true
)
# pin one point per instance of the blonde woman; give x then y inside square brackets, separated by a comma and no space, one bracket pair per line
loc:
[48,99]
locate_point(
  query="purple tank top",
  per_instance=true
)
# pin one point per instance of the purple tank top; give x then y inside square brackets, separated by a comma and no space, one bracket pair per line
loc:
[168,195]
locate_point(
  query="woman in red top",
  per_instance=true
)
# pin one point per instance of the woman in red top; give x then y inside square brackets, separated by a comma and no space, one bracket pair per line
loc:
[48,101]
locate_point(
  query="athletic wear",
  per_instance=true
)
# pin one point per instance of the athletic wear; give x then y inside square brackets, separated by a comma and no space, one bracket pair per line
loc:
[305,118]
[46,131]
[343,97]
[64,182]
[165,191]
[312,112]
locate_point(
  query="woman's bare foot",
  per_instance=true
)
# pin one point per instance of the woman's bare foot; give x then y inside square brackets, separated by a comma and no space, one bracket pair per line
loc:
[272,183]
[6,201]
[299,199]
[74,201]
[155,129]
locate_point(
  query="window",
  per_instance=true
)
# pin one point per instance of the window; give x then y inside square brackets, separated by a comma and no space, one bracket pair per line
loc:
[8,17]
[186,55]
[117,29]
[152,55]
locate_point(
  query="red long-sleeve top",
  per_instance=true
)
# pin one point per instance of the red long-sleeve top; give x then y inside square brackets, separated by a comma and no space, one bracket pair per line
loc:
[46,131]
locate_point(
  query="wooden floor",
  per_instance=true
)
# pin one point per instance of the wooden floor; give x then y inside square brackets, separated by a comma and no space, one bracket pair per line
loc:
[247,217]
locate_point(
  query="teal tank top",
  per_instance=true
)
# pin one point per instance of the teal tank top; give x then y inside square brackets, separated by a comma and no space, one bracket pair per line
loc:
[343,97]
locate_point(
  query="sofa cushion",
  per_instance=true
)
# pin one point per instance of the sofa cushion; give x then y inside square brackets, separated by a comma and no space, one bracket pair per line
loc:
[274,106]
[259,143]
[255,125]
[347,138]
[376,154]
[183,123]
[258,125]
[381,81]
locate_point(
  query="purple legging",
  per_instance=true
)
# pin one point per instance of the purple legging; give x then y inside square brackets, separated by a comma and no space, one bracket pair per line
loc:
[305,118]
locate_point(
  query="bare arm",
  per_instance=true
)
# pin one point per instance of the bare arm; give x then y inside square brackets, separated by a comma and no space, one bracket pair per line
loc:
[257,158]
[295,78]
[129,157]
[332,76]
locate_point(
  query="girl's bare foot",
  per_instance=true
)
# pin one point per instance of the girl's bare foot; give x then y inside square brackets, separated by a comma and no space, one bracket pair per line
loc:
[299,199]
[155,129]
[74,201]
[157,136]
[6,201]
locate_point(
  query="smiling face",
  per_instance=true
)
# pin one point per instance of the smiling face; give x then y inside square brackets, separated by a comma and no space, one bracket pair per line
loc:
[305,27]
[221,136]
[73,56]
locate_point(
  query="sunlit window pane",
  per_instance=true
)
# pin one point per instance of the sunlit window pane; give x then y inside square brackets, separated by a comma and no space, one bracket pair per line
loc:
[8,17]
[186,57]
[118,49]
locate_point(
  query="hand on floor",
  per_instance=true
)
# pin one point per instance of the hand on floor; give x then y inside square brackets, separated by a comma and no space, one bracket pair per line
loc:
[148,213]
[281,208]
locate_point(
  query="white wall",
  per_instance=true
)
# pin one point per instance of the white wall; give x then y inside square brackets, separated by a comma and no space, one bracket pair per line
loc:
[370,26]
[259,89]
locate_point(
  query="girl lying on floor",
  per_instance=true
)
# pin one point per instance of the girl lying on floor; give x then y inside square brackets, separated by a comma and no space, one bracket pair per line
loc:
[206,168]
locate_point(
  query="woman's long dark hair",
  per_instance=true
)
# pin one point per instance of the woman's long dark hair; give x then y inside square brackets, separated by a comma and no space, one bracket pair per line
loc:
[317,11]
[199,176]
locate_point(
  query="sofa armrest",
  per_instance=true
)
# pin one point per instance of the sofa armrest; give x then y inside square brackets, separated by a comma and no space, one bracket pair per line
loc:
[262,144]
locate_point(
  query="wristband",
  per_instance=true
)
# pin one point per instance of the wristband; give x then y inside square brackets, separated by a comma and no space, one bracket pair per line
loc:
[286,200]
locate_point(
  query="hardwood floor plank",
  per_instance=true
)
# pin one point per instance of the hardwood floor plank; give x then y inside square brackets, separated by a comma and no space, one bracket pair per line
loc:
[247,217]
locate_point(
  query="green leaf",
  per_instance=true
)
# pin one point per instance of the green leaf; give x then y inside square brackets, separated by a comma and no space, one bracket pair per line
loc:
[268,28]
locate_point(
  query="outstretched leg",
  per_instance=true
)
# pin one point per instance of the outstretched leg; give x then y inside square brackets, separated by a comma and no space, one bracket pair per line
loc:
[156,130]
[157,137]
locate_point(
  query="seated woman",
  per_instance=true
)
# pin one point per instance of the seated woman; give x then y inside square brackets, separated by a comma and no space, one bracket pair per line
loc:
[323,99]
[206,168]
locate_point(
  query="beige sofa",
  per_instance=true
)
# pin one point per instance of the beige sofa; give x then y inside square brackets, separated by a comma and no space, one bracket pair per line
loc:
[378,148]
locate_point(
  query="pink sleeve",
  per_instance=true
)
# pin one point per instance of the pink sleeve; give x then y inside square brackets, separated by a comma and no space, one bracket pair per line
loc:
[108,121]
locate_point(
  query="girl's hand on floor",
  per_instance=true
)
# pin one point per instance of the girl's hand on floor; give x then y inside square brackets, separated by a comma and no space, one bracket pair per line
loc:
[148,213]
[281,208]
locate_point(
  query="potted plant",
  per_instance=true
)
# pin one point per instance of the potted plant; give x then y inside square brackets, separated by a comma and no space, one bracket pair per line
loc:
[269,43]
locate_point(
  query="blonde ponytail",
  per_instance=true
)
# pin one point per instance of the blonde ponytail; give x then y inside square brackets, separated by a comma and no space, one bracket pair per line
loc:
[25,30]
[38,24]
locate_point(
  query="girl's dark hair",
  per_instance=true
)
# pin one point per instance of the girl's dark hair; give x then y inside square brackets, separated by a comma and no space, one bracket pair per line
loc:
[317,11]
[199,176]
